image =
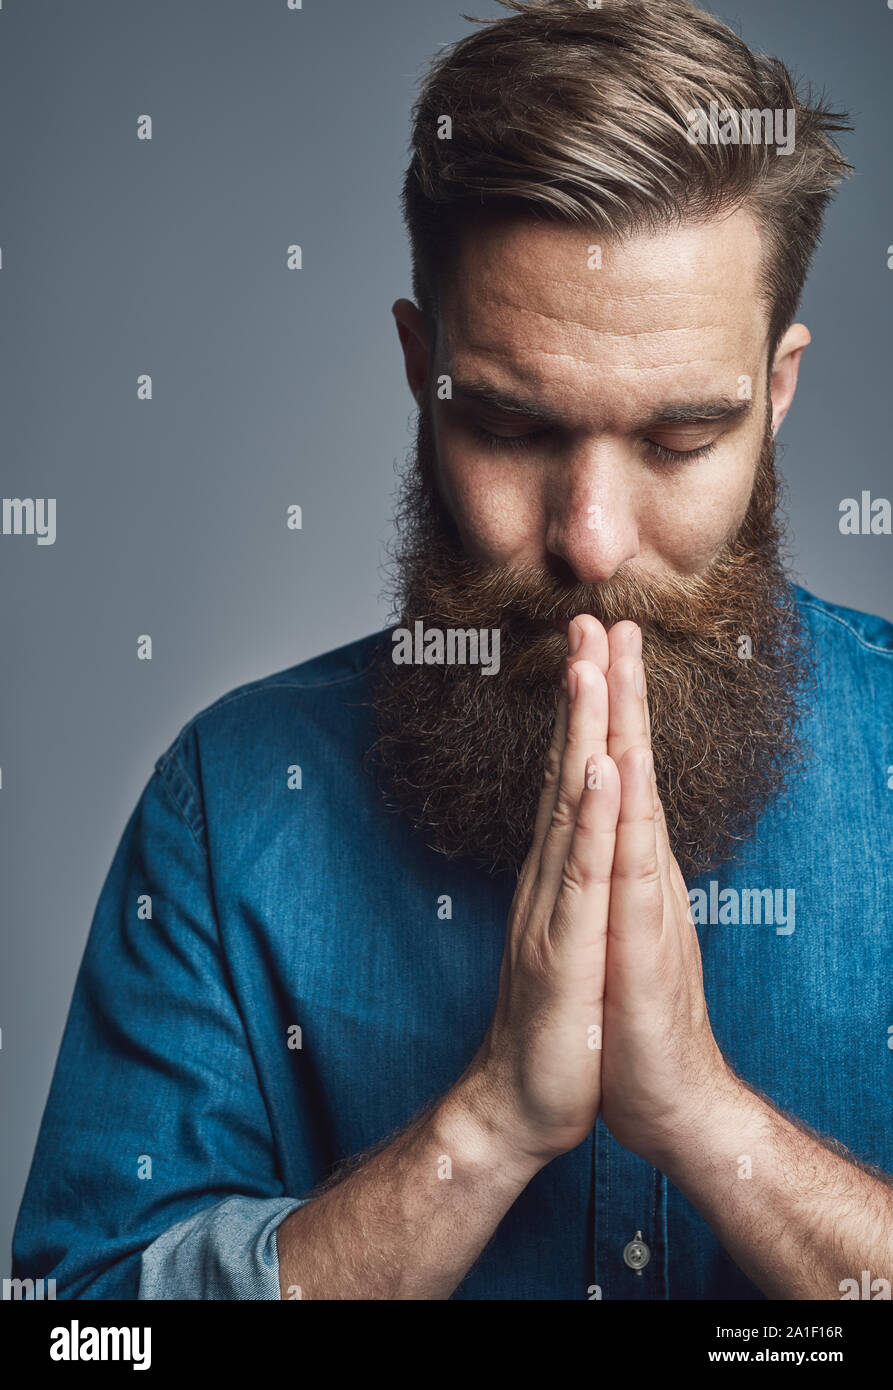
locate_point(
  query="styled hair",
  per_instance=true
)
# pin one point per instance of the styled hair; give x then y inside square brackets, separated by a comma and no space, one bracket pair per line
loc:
[583,115]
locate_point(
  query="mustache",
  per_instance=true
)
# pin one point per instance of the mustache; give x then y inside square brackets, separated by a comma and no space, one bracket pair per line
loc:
[529,597]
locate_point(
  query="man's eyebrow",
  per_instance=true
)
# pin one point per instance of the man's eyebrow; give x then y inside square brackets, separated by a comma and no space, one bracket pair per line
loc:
[483,393]
[722,409]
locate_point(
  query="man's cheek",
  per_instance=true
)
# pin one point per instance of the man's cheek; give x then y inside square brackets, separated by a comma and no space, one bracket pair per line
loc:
[689,528]
[496,517]
[687,543]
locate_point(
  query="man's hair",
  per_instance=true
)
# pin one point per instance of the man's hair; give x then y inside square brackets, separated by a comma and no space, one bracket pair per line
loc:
[580,115]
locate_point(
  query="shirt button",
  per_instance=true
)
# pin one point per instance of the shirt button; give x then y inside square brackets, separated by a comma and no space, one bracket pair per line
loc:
[636,1254]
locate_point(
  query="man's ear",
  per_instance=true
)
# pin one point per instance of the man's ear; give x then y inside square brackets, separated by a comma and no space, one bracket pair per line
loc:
[785,367]
[414,342]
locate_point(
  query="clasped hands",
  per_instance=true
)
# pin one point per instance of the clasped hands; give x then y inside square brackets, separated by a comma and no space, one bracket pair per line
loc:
[601,1004]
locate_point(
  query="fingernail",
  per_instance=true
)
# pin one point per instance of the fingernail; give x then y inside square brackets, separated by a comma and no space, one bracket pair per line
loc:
[648,764]
[571,685]
[640,680]
[574,638]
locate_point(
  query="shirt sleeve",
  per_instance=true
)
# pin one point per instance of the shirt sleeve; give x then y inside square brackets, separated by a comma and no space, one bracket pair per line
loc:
[226,1251]
[155,1172]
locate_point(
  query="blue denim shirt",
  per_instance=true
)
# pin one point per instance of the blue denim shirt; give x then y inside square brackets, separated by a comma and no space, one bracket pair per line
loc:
[184,1122]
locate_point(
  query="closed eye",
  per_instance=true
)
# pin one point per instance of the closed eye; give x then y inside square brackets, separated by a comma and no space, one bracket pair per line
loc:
[499,442]
[666,455]
[516,442]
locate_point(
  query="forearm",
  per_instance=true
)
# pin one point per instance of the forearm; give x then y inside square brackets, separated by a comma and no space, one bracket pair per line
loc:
[796,1217]
[410,1221]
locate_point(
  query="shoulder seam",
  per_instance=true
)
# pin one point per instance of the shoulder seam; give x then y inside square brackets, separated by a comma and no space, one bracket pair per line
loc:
[835,617]
[268,684]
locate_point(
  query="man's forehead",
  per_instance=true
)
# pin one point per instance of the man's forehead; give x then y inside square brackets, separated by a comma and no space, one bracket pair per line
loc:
[534,304]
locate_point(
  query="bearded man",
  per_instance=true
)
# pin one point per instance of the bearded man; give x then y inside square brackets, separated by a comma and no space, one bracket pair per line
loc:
[564,977]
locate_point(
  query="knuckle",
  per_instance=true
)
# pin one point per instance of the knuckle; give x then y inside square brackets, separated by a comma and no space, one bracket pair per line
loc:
[573,878]
[590,826]
[573,736]
[579,872]
[532,957]
[553,766]
[564,813]
[645,874]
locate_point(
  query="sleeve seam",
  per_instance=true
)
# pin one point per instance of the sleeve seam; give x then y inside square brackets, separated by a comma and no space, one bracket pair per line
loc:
[182,795]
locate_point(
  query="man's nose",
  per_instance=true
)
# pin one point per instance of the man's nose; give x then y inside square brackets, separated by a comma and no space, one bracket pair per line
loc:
[592,523]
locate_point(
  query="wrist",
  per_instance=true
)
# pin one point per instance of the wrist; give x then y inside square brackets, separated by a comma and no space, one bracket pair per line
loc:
[724,1123]
[470,1122]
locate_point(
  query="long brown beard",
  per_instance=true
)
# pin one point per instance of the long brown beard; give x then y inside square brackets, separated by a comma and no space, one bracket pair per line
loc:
[462,754]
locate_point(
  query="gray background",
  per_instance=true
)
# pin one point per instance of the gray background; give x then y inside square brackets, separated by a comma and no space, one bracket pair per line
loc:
[270,387]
